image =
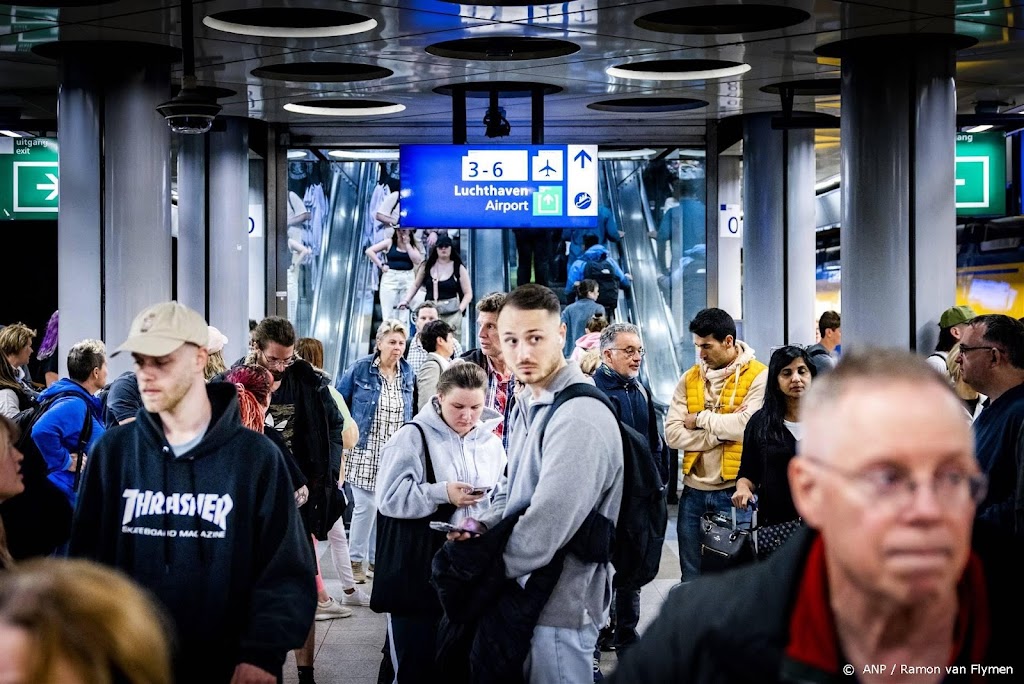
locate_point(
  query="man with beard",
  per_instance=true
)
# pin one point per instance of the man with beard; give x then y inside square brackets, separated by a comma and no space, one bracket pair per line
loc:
[304,412]
[216,539]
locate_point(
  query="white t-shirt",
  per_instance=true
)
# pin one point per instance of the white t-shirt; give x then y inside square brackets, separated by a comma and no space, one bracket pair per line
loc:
[796,429]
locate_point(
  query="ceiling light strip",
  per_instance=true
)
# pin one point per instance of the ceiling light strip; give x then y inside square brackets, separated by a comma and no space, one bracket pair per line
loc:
[289,31]
[703,75]
[344,111]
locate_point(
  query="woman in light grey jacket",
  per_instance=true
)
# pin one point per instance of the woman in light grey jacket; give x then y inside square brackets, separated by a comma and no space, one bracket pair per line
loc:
[467,459]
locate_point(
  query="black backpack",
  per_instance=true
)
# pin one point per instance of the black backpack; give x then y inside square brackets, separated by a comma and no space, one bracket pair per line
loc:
[38,521]
[643,513]
[608,284]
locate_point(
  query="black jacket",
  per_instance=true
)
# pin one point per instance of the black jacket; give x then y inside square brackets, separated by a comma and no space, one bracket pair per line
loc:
[766,464]
[485,634]
[733,627]
[633,406]
[213,534]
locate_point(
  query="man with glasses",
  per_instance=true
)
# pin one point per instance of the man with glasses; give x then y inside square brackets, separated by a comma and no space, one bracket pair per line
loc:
[618,376]
[883,575]
[304,412]
[710,409]
[991,357]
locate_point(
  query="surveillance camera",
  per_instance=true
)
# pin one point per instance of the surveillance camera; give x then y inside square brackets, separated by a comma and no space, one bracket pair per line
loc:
[190,112]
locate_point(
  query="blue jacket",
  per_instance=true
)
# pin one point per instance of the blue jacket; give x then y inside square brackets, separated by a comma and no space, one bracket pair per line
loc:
[630,400]
[57,431]
[360,386]
[595,253]
[607,230]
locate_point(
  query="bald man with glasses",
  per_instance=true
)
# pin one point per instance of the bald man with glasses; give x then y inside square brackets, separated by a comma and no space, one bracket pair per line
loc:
[991,357]
[882,584]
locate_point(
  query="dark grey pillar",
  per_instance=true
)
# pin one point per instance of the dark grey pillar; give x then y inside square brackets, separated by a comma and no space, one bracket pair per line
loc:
[898,215]
[114,225]
[192,248]
[229,234]
[778,235]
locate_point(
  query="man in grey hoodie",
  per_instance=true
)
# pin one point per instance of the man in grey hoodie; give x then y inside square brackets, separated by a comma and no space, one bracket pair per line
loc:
[579,471]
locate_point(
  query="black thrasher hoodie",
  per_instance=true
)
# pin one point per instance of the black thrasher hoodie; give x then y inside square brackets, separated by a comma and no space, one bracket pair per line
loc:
[214,535]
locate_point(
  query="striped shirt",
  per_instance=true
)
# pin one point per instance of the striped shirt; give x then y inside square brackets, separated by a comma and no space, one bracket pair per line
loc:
[501,397]
[363,462]
[417,354]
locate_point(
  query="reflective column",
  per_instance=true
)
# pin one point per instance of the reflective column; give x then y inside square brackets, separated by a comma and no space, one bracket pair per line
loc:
[898,230]
[114,225]
[778,235]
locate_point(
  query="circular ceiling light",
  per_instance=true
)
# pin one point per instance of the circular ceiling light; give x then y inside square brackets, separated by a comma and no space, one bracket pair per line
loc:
[678,70]
[289,22]
[298,154]
[344,107]
[711,20]
[648,105]
[364,155]
[503,48]
[321,72]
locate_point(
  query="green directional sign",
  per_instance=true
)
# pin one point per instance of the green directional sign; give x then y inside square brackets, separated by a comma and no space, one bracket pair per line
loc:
[980,174]
[29,178]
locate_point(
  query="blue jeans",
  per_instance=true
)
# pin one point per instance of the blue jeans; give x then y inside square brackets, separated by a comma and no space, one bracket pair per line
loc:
[561,655]
[694,503]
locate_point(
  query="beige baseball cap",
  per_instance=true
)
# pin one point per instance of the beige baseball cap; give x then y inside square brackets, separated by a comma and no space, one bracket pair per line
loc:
[162,328]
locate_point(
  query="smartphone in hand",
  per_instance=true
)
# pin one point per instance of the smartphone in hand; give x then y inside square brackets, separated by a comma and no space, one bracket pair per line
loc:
[478,491]
[445,527]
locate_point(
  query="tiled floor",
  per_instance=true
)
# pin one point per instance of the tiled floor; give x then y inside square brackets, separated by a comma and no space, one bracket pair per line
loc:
[349,650]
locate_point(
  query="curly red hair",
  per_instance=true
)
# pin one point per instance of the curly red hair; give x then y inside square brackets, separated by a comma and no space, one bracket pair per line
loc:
[254,384]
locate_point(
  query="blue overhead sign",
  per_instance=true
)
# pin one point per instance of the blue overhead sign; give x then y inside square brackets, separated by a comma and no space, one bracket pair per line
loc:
[499,186]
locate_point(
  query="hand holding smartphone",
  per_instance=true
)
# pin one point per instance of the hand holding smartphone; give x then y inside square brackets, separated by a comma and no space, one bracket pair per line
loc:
[445,527]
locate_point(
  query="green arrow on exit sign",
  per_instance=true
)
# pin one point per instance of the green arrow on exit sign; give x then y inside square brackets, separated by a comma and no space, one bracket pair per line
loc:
[36,186]
[980,174]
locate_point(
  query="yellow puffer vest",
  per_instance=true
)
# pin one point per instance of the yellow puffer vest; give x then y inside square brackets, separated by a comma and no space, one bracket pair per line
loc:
[733,394]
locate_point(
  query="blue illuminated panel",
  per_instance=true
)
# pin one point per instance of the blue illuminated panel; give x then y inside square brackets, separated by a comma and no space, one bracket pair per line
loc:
[499,186]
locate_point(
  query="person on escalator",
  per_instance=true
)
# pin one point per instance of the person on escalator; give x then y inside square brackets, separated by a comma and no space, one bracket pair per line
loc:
[597,265]
[447,282]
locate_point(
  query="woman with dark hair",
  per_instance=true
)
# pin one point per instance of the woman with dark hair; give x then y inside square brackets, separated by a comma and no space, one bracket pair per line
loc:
[447,281]
[771,436]
[455,431]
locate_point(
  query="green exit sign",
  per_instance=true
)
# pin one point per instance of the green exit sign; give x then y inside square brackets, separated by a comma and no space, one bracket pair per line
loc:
[29,178]
[980,174]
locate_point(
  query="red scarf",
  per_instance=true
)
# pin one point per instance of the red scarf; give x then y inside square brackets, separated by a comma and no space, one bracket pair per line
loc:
[812,633]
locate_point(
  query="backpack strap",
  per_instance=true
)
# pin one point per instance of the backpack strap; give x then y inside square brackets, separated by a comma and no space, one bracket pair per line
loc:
[577,389]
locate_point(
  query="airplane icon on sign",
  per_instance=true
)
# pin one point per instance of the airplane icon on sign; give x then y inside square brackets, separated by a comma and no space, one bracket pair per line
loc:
[547,169]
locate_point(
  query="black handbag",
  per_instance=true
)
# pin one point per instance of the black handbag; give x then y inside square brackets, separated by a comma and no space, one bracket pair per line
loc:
[724,545]
[405,551]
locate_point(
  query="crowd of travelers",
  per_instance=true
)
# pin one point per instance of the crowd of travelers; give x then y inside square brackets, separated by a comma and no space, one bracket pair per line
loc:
[494,491]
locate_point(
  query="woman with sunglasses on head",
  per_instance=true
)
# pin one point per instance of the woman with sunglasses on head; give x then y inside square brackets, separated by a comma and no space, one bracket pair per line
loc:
[447,282]
[771,436]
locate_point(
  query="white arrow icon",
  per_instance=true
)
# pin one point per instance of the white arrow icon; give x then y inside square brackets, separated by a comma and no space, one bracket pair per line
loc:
[53,186]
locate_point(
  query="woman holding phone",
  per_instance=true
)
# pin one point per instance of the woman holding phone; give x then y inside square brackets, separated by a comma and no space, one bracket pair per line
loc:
[457,430]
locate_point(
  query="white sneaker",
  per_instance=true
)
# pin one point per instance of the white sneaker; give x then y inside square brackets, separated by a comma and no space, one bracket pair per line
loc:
[330,609]
[356,598]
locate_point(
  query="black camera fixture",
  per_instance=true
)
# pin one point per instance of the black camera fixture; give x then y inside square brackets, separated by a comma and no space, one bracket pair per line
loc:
[191,111]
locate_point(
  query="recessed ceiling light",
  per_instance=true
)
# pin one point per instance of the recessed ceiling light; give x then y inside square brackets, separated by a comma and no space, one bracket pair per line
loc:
[626,154]
[321,72]
[289,22]
[347,107]
[980,128]
[723,19]
[298,154]
[678,70]
[648,105]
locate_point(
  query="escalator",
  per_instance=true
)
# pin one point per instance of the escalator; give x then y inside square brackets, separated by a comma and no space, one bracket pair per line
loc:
[487,255]
[645,304]
[342,309]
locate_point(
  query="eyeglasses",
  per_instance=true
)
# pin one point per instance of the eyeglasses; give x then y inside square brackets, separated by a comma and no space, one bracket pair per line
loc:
[279,363]
[630,351]
[965,350]
[895,487]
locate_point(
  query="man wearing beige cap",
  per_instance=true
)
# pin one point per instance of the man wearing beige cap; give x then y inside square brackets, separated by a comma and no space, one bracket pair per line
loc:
[200,511]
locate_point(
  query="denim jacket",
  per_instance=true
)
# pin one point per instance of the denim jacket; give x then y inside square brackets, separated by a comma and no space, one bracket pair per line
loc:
[360,386]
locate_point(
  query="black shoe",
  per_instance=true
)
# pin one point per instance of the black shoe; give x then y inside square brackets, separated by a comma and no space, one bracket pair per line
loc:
[606,640]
